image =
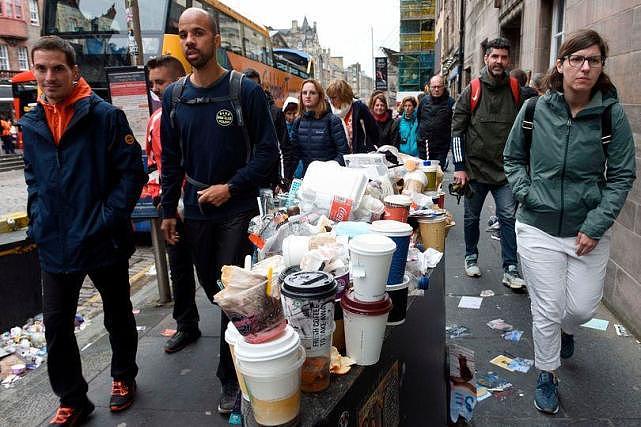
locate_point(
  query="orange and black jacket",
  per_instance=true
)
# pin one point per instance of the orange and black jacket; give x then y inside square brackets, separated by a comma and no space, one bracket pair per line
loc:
[84,173]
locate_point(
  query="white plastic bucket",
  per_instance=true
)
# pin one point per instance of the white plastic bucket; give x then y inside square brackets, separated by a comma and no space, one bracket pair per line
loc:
[272,373]
[364,327]
[232,337]
[370,260]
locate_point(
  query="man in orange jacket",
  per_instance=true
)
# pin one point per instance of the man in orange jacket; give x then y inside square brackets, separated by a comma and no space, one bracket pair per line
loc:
[84,173]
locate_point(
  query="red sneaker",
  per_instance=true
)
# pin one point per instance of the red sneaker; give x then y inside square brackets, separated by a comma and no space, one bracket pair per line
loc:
[68,416]
[122,395]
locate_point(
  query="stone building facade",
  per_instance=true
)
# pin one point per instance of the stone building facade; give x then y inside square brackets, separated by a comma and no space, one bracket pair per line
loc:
[305,37]
[536,29]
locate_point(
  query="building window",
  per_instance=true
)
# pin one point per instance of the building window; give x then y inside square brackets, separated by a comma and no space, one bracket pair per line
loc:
[17,9]
[23,58]
[33,11]
[11,8]
[558,10]
[4,57]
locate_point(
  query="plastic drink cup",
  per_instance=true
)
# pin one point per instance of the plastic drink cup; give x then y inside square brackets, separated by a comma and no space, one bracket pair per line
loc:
[232,337]
[365,324]
[397,207]
[398,294]
[272,373]
[342,281]
[308,303]
[370,260]
[294,248]
[400,233]
[433,232]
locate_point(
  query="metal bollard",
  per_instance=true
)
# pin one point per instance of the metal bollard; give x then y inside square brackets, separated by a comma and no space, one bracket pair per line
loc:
[160,257]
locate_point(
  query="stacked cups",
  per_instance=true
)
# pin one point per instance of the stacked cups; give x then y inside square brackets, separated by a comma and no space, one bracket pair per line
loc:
[272,374]
[308,304]
[397,207]
[366,306]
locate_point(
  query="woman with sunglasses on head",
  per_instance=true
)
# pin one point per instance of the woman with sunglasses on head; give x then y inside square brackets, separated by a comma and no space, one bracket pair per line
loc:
[317,133]
[570,165]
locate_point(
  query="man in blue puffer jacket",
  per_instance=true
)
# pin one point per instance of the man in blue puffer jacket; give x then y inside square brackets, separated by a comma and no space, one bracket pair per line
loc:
[84,173]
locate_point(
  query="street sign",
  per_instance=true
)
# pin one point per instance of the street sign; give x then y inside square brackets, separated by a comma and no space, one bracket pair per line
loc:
[381,73]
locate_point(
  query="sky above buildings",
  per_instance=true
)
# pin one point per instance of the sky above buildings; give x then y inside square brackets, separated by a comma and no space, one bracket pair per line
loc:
[343,25]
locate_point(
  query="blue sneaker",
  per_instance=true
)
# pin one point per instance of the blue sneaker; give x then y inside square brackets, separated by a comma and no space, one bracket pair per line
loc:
[546,396]
[567,345]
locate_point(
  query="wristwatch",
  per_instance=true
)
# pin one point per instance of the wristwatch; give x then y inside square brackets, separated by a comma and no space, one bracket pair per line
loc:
[232,189]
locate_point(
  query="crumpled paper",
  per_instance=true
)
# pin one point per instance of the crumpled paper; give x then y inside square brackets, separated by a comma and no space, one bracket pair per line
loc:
[338,364]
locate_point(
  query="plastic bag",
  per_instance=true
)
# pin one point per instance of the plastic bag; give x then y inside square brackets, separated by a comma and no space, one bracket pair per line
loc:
[257,315]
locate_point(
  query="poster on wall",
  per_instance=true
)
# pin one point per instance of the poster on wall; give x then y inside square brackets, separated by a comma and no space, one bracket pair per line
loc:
[381,73]
[128,91]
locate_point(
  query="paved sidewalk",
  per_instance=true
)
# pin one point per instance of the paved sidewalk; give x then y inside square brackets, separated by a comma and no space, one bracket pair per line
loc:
[599,385]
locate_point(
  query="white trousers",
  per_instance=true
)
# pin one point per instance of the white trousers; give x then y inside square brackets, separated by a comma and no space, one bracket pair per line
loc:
[565,289]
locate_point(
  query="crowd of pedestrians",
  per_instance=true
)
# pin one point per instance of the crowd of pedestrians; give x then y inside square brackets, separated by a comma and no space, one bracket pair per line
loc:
[544,158]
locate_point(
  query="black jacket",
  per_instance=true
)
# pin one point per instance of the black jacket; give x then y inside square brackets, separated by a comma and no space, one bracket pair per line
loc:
[319,139]
[286,169]
[435,122]
[387,131]
[365,134]
[81,192]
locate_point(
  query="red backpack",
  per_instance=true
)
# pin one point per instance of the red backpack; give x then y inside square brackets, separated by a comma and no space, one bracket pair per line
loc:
[475,93]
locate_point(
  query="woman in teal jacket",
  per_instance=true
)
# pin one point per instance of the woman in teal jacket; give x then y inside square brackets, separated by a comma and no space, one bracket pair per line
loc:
[568,198]
[407,141]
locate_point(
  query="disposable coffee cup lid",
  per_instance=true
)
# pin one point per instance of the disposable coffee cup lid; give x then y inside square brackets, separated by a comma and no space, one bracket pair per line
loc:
[391,228]
[306,284]
[282,346]
[372,244]
[398,199]
[373,308]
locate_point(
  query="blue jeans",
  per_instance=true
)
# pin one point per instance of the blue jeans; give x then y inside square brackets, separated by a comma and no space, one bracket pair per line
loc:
[505,210]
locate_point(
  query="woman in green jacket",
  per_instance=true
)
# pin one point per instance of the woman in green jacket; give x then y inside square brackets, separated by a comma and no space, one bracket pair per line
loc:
[568,198]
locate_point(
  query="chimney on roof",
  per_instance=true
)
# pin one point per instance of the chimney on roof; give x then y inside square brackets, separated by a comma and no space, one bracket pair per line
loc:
[294,25]
[314,26]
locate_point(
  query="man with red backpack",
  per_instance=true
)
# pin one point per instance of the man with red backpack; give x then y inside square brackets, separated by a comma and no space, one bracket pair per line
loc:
[483,117]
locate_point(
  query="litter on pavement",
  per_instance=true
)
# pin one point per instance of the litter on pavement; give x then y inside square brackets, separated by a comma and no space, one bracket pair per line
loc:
[621,330]
[514,335]
[470,302]
[22,349]
[598,324]
[457,331]
[500,325]
[493,382]
[487,293]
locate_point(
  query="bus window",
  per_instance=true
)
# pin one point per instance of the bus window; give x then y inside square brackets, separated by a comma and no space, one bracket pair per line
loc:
[230,33]
[101,16]
[255,46]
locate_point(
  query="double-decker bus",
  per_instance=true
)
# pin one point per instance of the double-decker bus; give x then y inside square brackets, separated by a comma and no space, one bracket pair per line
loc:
[98,31]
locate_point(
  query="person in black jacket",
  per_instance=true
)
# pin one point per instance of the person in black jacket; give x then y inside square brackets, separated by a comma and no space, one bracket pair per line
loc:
[526,91]
[360,127]
[318,134]
[84,173]
[387,126]
[435,121]
[204,144]
[280,124]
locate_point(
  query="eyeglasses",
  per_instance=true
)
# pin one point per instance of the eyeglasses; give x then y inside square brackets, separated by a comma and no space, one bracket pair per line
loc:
[577,61]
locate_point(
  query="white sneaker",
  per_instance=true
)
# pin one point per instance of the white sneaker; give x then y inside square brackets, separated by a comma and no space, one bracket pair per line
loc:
[512,278]
[471,266]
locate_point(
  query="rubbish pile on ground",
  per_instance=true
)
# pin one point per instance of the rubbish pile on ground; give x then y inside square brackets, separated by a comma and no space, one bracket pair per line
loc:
[22,349]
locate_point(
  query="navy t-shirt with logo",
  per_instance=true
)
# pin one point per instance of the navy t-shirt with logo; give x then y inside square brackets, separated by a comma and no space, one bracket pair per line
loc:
[214,148]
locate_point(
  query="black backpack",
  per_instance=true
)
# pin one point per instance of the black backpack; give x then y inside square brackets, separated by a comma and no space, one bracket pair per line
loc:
[235,84]
[528,125]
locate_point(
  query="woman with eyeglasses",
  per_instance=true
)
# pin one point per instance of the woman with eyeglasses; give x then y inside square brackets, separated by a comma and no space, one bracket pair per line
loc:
[570,162]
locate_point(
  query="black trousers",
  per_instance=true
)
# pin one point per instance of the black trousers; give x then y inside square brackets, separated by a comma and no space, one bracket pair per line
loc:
[183,283]
[60,301]
[215,244]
